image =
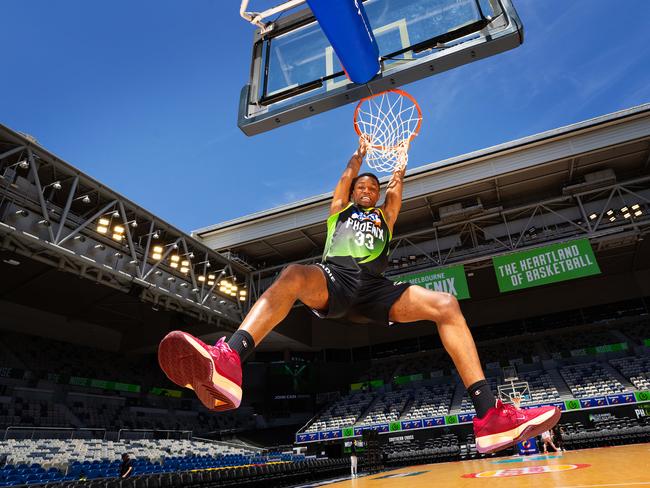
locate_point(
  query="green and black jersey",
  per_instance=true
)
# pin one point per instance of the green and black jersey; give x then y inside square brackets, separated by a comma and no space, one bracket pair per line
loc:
[358,238]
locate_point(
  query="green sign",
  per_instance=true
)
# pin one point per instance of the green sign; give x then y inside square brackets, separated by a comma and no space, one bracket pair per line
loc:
[592,351]
[451,419]
[394,426]
[451,280]
[103,384]
[642,396]
[572,404]
[646,342]
[348,432]
[543,265]
[401,380]
[166,392]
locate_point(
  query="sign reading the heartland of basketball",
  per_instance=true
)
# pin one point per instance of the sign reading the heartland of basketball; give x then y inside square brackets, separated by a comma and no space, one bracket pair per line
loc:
[451,280]
[549,264]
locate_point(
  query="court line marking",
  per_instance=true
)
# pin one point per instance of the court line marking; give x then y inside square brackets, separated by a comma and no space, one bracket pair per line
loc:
[607,484]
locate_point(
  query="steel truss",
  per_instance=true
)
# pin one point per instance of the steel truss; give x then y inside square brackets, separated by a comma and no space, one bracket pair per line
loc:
[476,240]
[49,212]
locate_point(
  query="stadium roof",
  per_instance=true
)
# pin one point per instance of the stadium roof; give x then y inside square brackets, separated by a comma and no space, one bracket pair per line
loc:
[302,223]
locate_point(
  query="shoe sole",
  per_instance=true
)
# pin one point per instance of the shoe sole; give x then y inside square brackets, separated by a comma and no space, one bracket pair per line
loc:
[186,362]
[532,428]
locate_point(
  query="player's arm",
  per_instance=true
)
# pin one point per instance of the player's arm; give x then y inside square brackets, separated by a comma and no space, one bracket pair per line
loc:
[342,191]
[393,202]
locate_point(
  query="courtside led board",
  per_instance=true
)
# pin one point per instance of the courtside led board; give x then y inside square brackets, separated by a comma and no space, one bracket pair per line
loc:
[296,74]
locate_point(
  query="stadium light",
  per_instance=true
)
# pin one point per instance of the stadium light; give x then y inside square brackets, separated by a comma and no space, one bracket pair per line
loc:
[22,213]
[635,206]
[624,209]
[593,216]
[55,184]
[102,225]
[612,219]
[84,198]
[610,212]
[627,215]
[157,253]
[185,266]
[175,259]
[118,233]
[23,164]
[638,213]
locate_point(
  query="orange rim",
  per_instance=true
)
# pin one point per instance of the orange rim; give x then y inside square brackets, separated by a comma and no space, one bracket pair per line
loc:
[399,92]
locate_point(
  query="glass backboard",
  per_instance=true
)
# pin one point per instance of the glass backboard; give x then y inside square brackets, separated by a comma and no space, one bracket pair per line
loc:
[296,74]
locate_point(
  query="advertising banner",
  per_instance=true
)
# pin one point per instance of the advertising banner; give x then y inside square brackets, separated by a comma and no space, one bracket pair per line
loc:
[621,398]
[330,434]
[464,418]
[311,437]
[544,265]
[451,419]
[411,424]
[451,280]
[527,447]
[593,402]
[435,421]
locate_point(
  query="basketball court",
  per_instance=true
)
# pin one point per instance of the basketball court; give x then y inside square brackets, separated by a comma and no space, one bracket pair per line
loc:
[600,467]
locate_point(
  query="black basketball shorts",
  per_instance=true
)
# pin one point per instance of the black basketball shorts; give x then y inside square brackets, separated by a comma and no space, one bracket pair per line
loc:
[358,297]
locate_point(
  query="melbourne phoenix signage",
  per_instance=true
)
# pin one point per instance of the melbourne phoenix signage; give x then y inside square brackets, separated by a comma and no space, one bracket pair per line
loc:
[451,280]
[543,265]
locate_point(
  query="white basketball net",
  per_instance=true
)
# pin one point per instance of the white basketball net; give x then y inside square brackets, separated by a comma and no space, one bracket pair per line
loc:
[390,120]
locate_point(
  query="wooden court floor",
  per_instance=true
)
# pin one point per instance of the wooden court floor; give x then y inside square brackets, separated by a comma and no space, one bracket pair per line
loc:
[620,466]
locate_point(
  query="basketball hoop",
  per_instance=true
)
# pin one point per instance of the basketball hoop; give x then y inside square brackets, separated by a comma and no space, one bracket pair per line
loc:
[390,120]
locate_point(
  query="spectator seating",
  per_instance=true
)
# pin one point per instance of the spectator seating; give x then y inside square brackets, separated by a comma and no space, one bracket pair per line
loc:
[636,369]
[343,413]
[387,408]
[590,379]
[430,401]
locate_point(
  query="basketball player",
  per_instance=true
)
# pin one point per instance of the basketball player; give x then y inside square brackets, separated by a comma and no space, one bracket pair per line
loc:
[547,439]
[349,285]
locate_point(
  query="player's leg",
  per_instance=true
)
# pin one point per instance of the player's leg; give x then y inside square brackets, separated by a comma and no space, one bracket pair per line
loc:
[496,426]
[296,282]
[214,372]
[417,303]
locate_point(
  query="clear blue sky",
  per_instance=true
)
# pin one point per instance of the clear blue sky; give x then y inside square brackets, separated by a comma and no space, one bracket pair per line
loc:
[143,95]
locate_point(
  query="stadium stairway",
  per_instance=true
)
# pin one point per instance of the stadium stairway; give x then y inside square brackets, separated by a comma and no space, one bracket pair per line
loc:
[615,373]
[457,398]
[9,358]
[562,388]
[407,407]
[369,408]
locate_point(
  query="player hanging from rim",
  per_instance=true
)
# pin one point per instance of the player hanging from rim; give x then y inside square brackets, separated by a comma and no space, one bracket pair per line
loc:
[349,284]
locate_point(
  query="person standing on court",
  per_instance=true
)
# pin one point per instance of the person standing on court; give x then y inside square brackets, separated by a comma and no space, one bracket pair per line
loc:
[349,284]
[353,459]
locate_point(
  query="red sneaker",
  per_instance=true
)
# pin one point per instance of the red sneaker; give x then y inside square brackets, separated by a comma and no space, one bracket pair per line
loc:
[213,372]
[504,426]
